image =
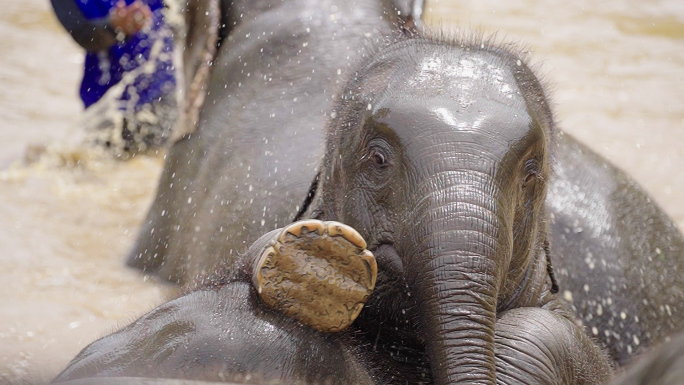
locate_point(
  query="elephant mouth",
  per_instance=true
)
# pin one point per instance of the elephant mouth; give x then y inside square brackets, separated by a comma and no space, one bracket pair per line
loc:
[388,260]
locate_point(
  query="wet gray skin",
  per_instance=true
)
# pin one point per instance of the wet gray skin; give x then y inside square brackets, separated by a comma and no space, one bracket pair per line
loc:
[244,167]
[662,366]
[222,335]
[616,254]
[260,132]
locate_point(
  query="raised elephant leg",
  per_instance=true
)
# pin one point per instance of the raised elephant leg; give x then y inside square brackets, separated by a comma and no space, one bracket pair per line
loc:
[317,272]
[532,345]
[544,346]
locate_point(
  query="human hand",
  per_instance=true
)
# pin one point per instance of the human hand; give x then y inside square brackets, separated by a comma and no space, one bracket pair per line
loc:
[130,19]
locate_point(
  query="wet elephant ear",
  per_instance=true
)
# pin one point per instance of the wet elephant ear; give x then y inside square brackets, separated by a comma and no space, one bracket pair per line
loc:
[202,25]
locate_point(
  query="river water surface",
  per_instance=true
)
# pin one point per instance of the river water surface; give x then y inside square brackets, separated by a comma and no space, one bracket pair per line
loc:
[67,220]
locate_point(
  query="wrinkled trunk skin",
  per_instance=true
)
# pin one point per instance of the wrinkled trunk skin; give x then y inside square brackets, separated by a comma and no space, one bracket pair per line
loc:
[466,247]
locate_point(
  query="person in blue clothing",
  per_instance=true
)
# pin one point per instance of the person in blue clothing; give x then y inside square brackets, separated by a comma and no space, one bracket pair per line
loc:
[129,62]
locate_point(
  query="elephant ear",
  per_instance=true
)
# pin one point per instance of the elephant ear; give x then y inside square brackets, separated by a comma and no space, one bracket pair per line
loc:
[305,211]
[411,12]
[199,45]
[549,267]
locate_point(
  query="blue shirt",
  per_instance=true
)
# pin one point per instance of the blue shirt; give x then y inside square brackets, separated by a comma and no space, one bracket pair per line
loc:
[105,69]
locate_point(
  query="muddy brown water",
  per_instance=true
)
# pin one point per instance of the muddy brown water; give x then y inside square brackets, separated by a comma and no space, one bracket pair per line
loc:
[66,222]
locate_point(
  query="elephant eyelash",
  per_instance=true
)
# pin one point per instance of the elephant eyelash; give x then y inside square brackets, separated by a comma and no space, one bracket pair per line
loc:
[533,171]
[379,152]
[378,157]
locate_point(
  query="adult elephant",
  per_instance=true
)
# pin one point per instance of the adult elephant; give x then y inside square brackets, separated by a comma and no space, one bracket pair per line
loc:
[249,153]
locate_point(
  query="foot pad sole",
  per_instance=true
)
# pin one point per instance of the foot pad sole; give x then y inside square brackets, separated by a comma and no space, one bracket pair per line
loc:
[319,273]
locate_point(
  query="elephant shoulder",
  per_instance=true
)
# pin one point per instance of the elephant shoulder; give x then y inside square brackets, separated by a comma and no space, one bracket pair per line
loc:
[139,347]
[219,334]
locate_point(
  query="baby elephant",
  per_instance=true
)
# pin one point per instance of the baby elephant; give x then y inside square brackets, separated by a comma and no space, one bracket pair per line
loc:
[438,155]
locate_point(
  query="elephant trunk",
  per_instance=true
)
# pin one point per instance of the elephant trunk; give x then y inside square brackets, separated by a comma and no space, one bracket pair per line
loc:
[464,249]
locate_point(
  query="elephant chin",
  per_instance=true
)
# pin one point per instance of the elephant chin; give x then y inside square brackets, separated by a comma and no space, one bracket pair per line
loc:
[389,260]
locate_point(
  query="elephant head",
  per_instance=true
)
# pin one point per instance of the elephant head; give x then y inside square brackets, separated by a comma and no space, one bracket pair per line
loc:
[437,153]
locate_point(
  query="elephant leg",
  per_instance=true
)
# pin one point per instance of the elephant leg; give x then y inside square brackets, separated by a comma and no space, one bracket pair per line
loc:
[532,345]
[543,346]
[319,273]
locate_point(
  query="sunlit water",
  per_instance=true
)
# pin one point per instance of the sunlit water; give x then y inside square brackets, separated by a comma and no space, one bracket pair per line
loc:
[67,221]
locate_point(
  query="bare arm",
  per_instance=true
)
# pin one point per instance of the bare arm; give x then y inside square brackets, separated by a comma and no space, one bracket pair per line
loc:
[93,35]
[100,34]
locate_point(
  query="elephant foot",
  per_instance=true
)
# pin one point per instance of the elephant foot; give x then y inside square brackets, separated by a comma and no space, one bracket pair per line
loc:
[319,273]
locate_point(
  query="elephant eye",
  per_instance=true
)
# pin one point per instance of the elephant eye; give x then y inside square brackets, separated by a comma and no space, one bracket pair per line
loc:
[378,157]
[378,154]
[532,171]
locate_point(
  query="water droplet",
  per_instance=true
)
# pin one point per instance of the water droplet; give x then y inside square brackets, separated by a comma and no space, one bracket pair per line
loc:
[567,294]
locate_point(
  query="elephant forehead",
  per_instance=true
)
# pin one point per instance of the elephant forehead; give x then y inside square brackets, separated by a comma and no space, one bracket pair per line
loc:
[465,77]
[445,126]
